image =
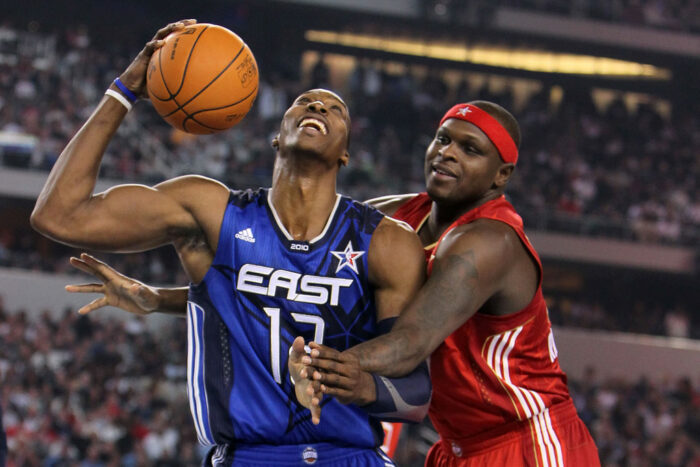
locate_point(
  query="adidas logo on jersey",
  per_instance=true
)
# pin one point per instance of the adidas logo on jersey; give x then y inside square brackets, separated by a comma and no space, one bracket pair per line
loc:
[246,235]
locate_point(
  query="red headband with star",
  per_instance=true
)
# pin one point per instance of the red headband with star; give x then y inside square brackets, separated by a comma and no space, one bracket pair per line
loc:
[496,133]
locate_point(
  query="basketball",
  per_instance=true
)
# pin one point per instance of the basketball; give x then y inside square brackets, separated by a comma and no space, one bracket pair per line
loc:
[203,80]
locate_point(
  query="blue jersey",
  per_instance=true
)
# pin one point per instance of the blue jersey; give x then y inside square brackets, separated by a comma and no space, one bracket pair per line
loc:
[262,290]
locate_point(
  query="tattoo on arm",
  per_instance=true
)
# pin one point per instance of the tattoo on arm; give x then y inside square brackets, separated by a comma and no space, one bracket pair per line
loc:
[452,282]
[442,306]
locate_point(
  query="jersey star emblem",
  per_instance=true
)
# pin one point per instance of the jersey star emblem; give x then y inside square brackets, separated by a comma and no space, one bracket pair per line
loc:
[347,257]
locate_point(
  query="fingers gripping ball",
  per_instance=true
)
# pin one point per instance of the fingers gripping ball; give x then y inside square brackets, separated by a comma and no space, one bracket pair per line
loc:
[203,80]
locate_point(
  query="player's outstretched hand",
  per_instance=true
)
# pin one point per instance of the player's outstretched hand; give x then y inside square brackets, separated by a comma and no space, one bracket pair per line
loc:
[308,392]
[117,289]
[134,78]
[341,375]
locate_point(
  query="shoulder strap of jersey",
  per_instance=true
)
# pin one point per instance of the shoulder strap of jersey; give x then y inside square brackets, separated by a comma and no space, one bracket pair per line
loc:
[414,211]
[501,210]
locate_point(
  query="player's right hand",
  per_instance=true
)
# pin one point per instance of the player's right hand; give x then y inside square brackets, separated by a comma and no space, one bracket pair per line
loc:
[117,289]
[134,77]
[308,392]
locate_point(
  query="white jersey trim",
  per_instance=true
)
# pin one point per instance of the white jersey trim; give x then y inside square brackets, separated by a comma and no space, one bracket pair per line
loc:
[315,239]
[195,358]
[530,402]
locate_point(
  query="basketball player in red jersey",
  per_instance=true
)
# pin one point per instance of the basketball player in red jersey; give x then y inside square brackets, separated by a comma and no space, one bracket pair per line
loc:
[499,395]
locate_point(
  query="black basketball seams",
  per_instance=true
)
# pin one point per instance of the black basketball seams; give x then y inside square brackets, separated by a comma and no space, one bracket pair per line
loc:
[180,106]
[184,72]
[187,63]
[192,115]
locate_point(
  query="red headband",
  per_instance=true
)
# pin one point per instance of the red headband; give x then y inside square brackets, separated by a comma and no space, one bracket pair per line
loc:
[496,133]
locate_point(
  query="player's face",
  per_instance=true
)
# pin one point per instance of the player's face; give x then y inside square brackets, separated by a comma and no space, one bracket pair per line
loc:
[317,123]
[461,163]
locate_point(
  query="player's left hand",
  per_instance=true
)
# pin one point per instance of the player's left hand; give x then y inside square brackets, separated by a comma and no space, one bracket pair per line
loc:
[308,391]
[341,375]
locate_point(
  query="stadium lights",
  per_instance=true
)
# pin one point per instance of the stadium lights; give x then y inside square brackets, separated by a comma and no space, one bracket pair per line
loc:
[519,59]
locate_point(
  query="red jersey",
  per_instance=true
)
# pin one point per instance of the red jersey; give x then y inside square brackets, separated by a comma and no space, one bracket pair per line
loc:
[495,373]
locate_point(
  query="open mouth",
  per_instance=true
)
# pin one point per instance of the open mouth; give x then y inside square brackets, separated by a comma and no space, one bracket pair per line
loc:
[318,125]
[442,171]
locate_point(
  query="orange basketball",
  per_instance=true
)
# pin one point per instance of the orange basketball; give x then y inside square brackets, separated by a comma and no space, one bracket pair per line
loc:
[203,80]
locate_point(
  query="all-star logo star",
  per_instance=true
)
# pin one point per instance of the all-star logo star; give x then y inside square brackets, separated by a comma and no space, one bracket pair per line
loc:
[347,257]
[464,111]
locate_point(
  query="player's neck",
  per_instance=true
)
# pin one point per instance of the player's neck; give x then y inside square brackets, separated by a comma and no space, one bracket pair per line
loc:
[442,215]
[303,202]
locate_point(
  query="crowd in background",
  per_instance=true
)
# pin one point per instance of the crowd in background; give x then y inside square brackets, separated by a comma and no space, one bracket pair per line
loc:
[583,169]
[637,315]
[102,392]
[98,392]
[610,171]
[604,311]
[641,423]
[682,15]
[87,392]
[674,15]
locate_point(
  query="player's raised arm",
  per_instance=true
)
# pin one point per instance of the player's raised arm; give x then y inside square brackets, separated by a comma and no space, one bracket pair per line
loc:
[124,218]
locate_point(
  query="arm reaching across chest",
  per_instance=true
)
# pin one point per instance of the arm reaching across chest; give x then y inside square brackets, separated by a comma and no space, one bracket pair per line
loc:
[470,267]
[397,271]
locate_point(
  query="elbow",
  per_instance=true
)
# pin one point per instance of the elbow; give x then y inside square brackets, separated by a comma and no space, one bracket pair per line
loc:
[46,223]
[39,220]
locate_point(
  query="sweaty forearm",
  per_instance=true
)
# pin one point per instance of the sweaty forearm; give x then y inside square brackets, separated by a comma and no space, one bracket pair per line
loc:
[73,176]
[394,354]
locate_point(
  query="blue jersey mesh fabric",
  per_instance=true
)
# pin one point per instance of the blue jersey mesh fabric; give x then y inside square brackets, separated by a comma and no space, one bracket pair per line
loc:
[262,290]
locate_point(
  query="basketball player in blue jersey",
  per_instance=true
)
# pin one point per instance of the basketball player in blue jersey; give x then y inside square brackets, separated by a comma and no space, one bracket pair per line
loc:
[267,265]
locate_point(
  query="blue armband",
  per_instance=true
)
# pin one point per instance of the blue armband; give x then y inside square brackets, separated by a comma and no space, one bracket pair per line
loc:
[404,399]
[126,91]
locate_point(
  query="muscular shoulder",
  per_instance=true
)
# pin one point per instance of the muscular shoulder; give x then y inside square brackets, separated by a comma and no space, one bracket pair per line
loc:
[389,204]
[396,266]
[187,185]
[505,274]
[203,198]
[195,193]
[487,235]
[394,247]
[393,232]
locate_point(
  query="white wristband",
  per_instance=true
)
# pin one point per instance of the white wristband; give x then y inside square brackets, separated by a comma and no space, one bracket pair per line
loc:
[122,100]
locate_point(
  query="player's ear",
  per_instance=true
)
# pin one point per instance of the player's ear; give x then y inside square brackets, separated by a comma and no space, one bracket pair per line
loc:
[276,142]
[503,175]
[344,159]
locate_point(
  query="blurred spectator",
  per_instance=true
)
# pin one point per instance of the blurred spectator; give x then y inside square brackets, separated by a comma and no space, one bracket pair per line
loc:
[664,14]
[79,391]
[612,172]
[93,392]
